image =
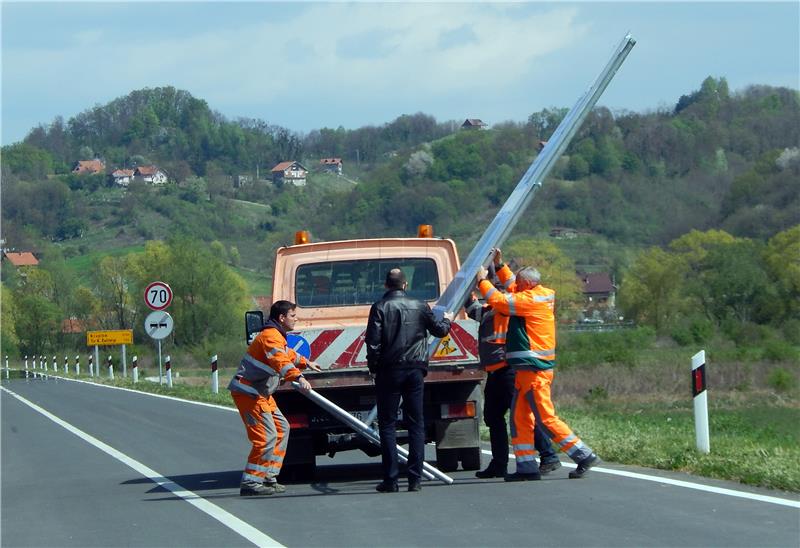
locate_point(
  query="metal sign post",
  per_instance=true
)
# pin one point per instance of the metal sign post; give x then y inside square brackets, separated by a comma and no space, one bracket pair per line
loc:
[158,325]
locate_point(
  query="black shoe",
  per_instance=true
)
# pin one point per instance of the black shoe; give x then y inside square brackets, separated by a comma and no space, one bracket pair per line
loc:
[414,485]
[252,489]
[521,476]
[491,471]
[584,465]
[547,467]
[387,487]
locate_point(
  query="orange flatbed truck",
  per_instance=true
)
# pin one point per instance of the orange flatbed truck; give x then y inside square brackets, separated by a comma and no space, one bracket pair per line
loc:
[334,285]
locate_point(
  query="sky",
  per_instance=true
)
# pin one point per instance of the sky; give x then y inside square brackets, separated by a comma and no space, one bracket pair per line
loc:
[309,65]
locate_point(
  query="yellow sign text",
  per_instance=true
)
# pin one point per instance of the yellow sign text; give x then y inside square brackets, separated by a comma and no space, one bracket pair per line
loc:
[109,338]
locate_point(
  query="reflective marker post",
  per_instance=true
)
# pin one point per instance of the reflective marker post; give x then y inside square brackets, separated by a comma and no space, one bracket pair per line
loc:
[214,375]
[135,367]
[77,365]
[168,367]
[700,402]
[110,368]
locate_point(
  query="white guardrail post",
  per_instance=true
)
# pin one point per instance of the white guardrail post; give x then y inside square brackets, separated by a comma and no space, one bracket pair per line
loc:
[135,367]
[77,365]
[110,368]
[700,402]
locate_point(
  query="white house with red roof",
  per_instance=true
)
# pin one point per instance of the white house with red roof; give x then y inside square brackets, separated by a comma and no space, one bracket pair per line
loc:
[122,177]
[89,167]
[151,175]
[289,172]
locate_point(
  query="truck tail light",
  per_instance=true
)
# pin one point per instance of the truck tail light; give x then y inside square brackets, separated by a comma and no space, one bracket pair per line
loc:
[458,410]
[298,421]
[425,231]
[302,237]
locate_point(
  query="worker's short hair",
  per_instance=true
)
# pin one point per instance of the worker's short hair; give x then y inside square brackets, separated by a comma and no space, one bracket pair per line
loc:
[529,274]
[279,308]
[395,279]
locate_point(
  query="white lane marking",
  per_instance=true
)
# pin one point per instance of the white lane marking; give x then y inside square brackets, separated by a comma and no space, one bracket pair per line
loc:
[686,484]
[634,475]
[227,519]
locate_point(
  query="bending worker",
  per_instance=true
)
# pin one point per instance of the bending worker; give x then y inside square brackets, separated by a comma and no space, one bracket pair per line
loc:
[498,392]
[268,360]
[531,352]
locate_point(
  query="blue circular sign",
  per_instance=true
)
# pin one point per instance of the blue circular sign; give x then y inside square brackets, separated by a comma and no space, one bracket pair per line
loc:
[299,344]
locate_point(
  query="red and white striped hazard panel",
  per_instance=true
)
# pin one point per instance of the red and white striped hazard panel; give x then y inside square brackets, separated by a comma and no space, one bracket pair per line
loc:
[344,347]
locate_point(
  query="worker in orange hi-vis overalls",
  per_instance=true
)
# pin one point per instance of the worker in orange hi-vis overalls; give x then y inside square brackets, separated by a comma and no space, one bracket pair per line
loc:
[531,352]
[268,359]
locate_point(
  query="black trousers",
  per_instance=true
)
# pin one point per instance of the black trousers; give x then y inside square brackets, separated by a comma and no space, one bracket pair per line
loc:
[390,386]
[497,396]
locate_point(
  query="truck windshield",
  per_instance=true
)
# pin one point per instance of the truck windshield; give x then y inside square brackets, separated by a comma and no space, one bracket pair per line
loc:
[342,283]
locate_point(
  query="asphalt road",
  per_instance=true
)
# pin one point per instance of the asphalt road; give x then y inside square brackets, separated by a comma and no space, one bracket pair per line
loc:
[87,465]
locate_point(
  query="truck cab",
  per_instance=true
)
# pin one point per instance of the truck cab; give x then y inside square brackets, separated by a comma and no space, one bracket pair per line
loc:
[334,285]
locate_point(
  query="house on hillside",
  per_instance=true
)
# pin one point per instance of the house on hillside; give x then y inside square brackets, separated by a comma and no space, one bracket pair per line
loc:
[89,167]
[291,172]
[599,292]
[23,258]
[474,123]
[332,165]
[122,177]
[150,175]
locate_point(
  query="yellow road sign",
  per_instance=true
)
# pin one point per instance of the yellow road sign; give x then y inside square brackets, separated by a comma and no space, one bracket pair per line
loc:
[445,348]
[109,338]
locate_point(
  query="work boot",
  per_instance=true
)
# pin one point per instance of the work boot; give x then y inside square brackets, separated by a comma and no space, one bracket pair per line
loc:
[387,487]
[547,467]
[275,486]
[414,485]
[253,489]
[584,465]
[523,476]
[492,471]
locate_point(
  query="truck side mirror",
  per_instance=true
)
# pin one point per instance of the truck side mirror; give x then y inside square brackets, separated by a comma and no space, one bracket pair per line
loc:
[253,324]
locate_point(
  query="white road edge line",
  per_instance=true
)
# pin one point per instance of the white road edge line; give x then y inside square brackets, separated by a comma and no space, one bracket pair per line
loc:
[634,475]
[227,519]
[685,484]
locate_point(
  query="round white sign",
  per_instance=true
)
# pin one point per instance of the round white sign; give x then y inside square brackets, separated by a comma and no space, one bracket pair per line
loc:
[158,295]
[158,324]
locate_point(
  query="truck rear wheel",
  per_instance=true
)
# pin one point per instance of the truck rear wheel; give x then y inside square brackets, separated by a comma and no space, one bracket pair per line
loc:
[298,473]
[471,458]
[447,459]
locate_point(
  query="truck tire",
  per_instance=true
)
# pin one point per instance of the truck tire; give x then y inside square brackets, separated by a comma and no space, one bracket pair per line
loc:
[298,473]
[470,458]
[447,459]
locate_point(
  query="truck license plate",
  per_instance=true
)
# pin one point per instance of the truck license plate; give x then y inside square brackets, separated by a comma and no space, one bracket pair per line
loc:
[362,415]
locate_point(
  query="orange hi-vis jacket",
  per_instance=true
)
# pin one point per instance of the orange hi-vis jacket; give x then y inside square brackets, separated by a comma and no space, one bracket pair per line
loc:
[531,338]
[268,359]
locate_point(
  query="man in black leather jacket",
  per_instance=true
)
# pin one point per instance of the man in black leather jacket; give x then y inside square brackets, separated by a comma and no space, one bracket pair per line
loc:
[397,354]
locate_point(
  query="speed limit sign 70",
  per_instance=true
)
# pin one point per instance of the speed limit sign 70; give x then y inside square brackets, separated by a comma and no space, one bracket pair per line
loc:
[158,295]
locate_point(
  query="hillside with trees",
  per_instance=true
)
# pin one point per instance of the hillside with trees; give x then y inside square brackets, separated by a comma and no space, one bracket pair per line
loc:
[642,192]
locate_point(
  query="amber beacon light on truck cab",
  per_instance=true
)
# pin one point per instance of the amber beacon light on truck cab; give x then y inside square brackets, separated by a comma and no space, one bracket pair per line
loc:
[334,285]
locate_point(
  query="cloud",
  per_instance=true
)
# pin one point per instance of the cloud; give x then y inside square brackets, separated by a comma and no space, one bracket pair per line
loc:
[345,49]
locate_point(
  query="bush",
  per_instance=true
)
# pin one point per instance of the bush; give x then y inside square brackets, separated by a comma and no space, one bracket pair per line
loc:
[696,330]
[779,351]
[781,380]
[791,331]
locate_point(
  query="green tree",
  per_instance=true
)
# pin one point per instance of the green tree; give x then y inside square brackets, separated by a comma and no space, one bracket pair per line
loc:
[8,312]
[651,291]
[36,317]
